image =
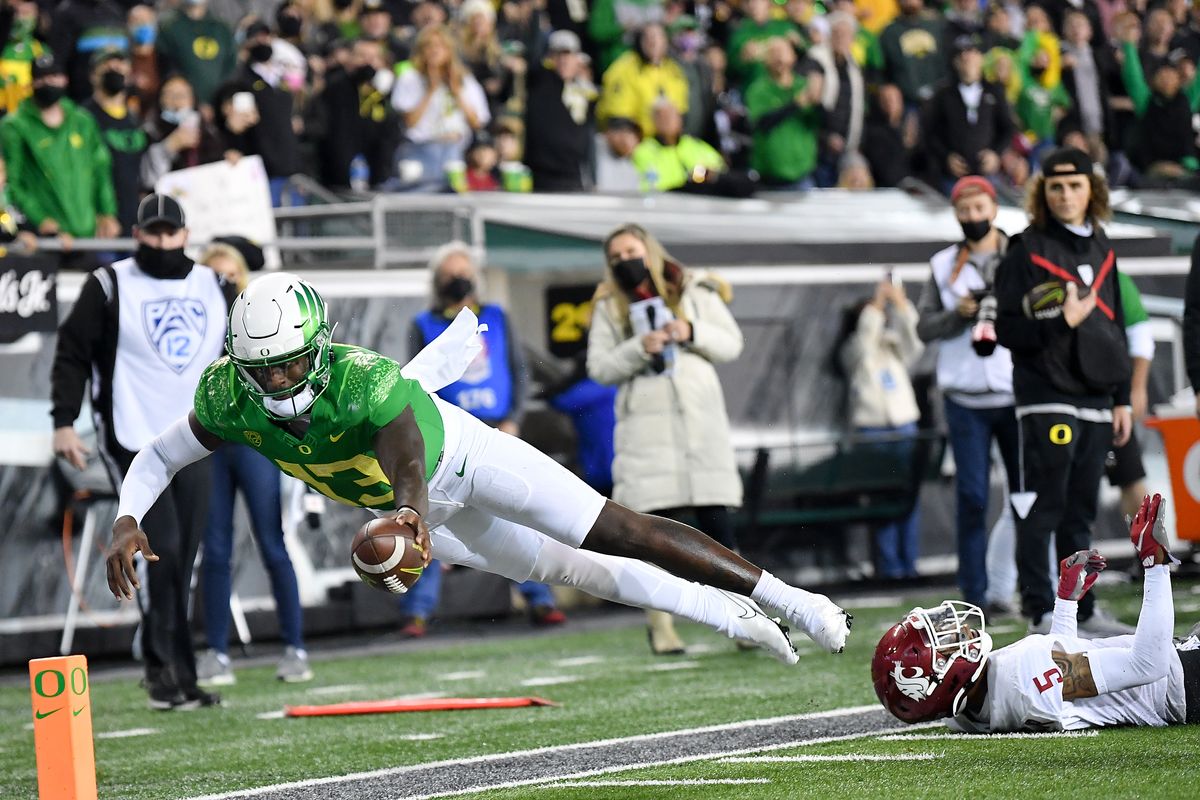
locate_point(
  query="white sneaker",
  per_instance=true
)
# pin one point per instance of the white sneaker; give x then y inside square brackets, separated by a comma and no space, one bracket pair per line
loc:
[757,627]
[824,621]
[214,669]
[293,667]
[1102,624]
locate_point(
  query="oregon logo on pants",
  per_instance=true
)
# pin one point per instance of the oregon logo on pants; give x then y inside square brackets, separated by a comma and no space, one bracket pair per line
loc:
[1060,433]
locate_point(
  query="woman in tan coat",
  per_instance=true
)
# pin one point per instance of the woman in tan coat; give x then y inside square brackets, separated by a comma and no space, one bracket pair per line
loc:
[673,455]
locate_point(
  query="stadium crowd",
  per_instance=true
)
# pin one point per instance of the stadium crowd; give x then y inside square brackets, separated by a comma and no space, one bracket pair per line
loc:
[715,96]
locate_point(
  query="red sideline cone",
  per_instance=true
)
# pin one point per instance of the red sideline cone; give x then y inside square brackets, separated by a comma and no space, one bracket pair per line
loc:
[394,706]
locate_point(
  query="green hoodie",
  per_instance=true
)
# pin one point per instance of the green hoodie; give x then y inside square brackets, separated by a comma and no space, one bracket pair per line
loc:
[62,173]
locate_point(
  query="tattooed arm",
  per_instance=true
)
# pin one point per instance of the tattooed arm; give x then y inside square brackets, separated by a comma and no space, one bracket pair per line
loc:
[1077,682]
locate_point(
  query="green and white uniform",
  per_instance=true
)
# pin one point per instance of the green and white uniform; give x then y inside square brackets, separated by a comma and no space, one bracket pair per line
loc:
[336,456]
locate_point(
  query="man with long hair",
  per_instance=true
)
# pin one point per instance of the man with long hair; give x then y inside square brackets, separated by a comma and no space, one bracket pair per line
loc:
[1071,373]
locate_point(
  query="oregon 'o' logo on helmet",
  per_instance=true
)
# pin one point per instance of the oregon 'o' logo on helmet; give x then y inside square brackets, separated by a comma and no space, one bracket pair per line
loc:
[253,437]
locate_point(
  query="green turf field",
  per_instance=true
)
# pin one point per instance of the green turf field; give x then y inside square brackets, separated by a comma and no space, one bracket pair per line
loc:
[610,687]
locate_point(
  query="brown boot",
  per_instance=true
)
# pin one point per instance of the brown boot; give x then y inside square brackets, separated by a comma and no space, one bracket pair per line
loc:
[661,630]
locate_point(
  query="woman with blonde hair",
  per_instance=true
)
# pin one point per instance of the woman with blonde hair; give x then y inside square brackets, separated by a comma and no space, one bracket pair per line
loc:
[442,105]
[657,330]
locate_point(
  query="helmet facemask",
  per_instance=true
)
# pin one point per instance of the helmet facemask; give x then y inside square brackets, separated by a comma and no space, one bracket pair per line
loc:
[953,632]
[278,324]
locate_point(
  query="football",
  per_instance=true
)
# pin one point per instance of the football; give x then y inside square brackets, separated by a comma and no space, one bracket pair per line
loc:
[385,556]
[1045,300]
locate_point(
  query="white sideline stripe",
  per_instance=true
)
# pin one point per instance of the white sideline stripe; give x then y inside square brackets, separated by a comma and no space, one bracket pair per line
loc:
[826,758]
[667,763]
[421,737]
[874,601]
[467,675]
[695,649]
[579,661]
[126,734]
[1003,628]
[537,751]
[671,666]
[968,737]
[341,688]
[549,680]
[270,715]
[680,782]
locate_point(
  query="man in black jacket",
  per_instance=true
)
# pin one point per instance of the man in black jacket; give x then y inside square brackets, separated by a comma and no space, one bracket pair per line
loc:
[967,123]
[560,117]
[1071,374]
[358,117]
[142,332]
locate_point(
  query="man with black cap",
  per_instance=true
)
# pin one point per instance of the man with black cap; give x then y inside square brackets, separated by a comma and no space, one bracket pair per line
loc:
[142,331]
[59,169]
[559,117]
[1059,313]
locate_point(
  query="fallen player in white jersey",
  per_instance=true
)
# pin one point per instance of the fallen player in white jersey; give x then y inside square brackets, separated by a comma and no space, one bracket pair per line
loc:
[939,663]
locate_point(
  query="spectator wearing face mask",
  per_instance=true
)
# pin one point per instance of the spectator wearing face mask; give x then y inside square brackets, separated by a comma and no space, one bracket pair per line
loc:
[179,136]
[198,46]
[59,169]
[494,389]
[120,128]
[144,75]
[357,117]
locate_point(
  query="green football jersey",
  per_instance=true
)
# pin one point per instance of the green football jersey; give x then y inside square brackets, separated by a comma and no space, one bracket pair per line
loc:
[336,456]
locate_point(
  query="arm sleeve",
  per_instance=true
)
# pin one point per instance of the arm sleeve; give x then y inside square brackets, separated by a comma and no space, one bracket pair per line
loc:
[911,347]
[154,467]
[1065,618]
[934,321]
[75,350]
[864,339]
[1141,340]
[612,358]
[1134,78]
[715,333]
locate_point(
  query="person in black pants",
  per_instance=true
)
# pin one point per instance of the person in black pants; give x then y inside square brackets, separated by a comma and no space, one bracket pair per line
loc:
[1071,375]
[142,331]
[1191,324]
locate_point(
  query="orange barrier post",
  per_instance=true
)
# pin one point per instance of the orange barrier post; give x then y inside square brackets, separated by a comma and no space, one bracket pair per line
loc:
[1181,437]
[62,728]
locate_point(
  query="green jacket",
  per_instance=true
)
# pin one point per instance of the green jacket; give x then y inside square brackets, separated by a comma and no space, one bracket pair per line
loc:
[665,168]
[785,135]
[749,31]
[63,173]
[1140,91]
[202,50]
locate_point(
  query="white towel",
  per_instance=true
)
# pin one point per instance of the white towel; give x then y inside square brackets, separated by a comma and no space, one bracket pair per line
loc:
[444,360]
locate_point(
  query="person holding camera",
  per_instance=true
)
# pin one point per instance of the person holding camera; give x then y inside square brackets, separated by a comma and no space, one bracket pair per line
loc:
[657,330]
[1071,374]
[876,349]
[958,310]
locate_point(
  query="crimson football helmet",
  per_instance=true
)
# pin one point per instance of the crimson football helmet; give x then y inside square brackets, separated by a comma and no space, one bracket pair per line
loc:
[924,665]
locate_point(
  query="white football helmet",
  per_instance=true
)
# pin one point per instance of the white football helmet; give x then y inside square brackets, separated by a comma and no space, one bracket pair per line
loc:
[275,322]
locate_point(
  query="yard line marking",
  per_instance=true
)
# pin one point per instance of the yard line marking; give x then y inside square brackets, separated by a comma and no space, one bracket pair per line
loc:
[671,666]
[126,734]
[338,689]
[468,675]
[663,763]
[967,737]
[421,737]
[680,782]
[421,696]
[270,715]
[1003,628]
[388,772]
[823,758]
[695,649]
[549,680]
[579,661]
